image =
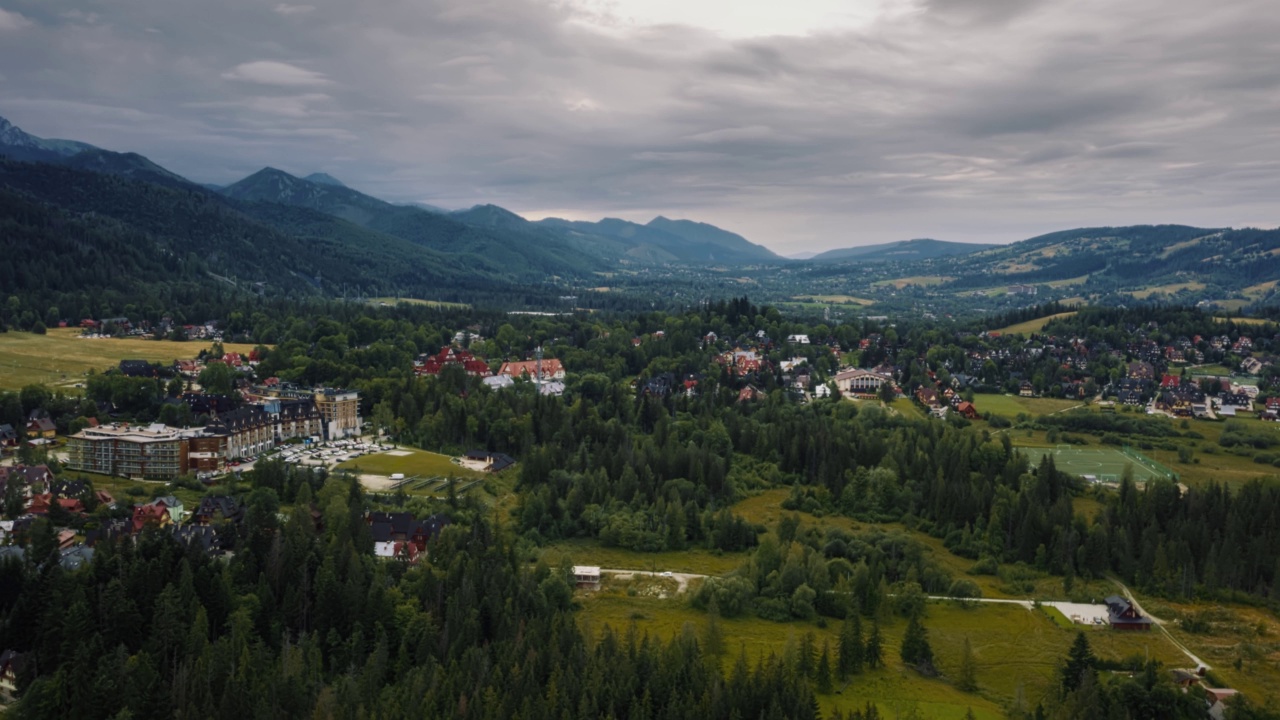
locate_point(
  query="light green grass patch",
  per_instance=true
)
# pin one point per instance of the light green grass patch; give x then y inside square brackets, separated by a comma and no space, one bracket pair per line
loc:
[591,552]
[416,301]
[836,299]
[415,462]
[1011,405]
[908,408]
[917,280]
[1058,618]
[61,358]
[1031,326]
[1170,289]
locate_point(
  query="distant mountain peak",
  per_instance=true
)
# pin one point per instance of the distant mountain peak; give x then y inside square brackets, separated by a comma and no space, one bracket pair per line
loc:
[12,136]
[321,178]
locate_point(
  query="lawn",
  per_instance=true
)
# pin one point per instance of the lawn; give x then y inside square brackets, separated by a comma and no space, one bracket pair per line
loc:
[1246,320]
[415,462]
[1014,649]
[907,408]
[836,299]
[1211,371]
[1031,326]
[1172,289]
[62,358]
[919,280]
[416,301]
[1011,405]
[590,552]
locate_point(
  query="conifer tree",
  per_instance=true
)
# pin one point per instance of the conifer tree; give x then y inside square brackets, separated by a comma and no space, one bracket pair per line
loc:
[874,652]
[850,648]
[1080,664]
[824,669]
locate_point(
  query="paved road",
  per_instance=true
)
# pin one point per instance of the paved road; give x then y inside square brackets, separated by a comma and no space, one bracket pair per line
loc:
[682,579]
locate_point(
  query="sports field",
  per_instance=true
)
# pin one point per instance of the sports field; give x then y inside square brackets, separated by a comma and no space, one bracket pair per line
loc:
[1105,464]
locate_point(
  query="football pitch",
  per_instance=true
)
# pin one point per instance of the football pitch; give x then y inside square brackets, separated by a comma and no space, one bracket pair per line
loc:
[1102,464]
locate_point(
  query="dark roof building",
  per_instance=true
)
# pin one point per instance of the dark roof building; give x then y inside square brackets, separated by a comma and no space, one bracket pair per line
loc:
[1124,616]
[137,368]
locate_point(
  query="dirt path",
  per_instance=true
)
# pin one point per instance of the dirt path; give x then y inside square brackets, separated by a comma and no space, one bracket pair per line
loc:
[682,579]
[1160,624]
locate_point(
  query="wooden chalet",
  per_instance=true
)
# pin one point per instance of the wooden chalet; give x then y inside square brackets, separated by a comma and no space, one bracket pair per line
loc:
[1122,615]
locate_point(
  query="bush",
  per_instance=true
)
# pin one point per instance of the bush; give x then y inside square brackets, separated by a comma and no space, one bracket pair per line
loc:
[964,589]
[986,565]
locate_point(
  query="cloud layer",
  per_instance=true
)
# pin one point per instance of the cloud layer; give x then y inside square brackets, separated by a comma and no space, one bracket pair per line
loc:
[979,120]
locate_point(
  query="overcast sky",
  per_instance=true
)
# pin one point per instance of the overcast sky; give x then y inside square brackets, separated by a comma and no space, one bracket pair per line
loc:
[803,125]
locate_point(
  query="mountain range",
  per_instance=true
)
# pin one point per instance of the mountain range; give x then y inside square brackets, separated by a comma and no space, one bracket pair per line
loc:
[315,234]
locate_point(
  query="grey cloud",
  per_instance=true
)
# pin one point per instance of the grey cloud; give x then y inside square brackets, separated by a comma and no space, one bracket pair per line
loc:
[967,121]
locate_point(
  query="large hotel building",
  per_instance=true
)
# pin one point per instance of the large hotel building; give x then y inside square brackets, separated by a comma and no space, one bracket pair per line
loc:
[159,452]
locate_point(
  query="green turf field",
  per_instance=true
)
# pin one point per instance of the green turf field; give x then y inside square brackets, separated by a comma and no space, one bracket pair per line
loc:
[410,462]
[1105,464]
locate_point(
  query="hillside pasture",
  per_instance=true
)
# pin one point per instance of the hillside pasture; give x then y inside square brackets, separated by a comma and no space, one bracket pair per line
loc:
[61,358]
[917,280]
[416,301]
[1170,289]
[1032,326]
[835,299]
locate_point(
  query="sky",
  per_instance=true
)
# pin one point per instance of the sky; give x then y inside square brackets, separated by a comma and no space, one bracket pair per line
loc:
[803,125]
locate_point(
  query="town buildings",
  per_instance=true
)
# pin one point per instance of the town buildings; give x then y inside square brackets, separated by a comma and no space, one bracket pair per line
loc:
[340,410]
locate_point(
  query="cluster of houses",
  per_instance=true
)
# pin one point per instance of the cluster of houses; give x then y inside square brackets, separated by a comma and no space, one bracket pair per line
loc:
[123,326]
[402,536]
[547,373]
[41,493]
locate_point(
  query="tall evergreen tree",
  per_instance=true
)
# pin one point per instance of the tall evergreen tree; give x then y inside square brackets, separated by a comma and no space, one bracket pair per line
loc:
[1079,665]
[874,651]
[850,649]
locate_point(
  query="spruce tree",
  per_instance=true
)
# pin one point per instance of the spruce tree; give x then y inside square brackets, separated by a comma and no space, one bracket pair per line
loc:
[850,649]
[874,652]
[1080,664]
[915,645]
[824,669]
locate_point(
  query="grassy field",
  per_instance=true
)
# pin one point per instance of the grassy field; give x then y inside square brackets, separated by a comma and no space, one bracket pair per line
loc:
[1172,289]
[62,358]
[1035,325]
[908,408]
[1246,320]
[416,462]
[1217,465]
[918,280]
[590,552]
[1011,405]
[415,301]
[1013,647]
[1099,462]
[1211,371]
[836,299]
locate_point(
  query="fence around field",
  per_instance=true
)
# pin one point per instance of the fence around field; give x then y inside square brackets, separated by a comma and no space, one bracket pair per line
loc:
[1102,464]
